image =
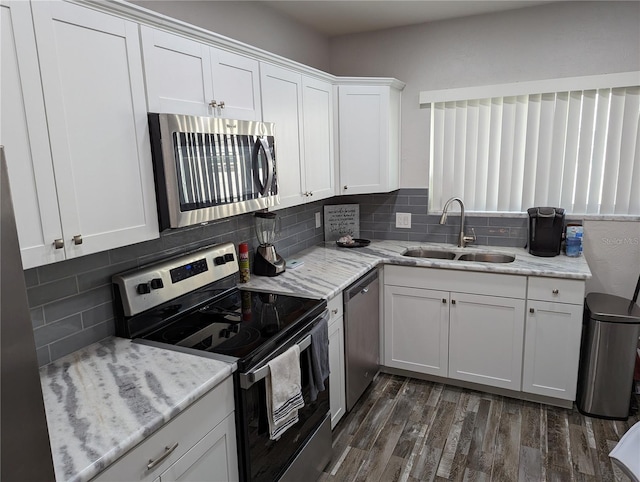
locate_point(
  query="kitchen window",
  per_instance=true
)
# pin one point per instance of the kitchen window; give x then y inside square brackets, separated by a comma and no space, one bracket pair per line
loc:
[572,143]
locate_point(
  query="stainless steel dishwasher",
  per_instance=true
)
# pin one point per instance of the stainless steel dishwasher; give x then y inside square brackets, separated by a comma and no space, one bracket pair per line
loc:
[362,339]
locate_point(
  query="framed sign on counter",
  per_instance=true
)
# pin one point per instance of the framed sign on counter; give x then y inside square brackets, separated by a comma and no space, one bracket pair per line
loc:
[341,220]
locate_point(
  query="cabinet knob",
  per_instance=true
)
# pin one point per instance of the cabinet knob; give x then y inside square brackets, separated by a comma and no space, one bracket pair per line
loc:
[77,239]
[531,310]
[58,243]
[213,104]
[334,311]
[345,188]
[453,302]
[555,292]
[221,105]
[444,300]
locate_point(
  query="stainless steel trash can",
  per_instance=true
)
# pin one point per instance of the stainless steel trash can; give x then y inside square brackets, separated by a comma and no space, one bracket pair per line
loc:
[610,332]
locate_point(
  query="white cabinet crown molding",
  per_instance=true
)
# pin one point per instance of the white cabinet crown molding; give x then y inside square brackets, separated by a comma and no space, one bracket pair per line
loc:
[148,17]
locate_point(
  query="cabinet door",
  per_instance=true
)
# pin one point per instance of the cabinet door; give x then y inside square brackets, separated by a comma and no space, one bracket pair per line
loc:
[552,349]
[337,401]
[23,132]
[416,329]
[485,340]
[317,103]
[177,73]
[364,138]
[282,104]
[236,83]
[213,458]
[94,96]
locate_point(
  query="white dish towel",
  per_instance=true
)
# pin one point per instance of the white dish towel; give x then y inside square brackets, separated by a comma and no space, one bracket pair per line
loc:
[284,393]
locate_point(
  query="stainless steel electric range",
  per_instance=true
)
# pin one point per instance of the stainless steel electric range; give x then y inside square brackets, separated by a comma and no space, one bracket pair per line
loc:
[191,303]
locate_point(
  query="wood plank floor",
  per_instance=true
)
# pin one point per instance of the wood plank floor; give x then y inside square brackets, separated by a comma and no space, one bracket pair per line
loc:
[404,429]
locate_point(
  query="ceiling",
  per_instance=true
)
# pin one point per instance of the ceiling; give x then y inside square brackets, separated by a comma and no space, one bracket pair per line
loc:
[340,17]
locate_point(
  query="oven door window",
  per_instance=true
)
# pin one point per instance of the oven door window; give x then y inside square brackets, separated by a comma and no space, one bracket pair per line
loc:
[267,458]
[218,169]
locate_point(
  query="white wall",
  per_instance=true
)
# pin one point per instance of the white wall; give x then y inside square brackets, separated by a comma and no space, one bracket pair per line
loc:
[252,23]
[557,40]
[612,249]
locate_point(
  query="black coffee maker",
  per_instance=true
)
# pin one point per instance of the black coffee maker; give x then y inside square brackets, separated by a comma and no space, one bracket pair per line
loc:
[546,226]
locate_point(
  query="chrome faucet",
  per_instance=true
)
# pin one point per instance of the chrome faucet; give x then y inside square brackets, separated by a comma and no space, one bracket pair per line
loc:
[462,239]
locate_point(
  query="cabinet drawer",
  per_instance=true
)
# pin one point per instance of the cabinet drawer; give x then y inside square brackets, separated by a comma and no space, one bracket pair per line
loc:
[556,290]
[335,307]
[185,430]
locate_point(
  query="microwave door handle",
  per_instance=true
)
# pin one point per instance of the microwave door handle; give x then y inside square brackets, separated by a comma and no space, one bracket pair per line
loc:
[257,374]
[261,143]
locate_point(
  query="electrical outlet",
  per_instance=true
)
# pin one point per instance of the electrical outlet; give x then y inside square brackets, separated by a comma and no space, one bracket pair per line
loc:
[403,220]
[318,220]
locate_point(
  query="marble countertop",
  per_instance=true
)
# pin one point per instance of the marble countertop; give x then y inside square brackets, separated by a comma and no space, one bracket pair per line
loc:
[104,399]
[328,269]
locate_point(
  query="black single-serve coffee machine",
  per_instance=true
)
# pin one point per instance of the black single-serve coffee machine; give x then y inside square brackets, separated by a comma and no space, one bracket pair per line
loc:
[546,226]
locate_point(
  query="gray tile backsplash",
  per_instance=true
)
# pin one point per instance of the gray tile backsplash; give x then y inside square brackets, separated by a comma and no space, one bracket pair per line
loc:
[71,303]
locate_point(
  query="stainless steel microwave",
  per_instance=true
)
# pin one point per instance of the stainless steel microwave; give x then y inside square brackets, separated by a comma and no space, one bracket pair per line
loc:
[208,168]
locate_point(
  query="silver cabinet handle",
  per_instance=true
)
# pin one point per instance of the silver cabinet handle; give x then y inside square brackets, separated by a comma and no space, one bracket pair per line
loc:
[555,292]
[77,239]
[334,311]
[58,243]
[213,104]
[221,105]
[167,451]
[364,291]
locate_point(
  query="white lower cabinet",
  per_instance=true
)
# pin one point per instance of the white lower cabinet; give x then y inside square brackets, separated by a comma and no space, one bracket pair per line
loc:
[474,327]
[416,330]
[198,445]
[212,459]
[552,337]
[485,339]
[469,334]
[337,386]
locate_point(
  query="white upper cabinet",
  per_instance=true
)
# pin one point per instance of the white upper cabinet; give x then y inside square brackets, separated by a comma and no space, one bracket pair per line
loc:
[91,70]
[301,108]
[23,132]
[317,104]
[369,144]
[184,76]
[282,105]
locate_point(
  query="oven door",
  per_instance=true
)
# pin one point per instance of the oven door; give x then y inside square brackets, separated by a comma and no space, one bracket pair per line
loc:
[262,459]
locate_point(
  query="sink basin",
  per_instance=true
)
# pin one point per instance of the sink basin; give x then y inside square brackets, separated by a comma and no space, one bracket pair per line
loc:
[487,257]
[430,253]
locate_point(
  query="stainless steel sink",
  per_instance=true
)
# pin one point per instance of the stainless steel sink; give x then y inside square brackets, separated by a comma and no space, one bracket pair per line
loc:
[429,253]
[457,256]
[487,257]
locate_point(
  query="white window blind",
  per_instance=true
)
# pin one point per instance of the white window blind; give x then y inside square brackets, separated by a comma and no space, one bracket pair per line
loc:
[579,150]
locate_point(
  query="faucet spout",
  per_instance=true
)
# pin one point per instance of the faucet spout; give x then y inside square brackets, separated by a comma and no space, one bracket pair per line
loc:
[462,239]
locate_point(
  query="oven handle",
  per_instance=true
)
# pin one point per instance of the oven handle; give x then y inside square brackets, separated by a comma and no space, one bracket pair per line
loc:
[253,376]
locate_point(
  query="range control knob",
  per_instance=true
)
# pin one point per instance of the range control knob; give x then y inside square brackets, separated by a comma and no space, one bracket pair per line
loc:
[228,257]
[218,260]
[157,283]
[143,288]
